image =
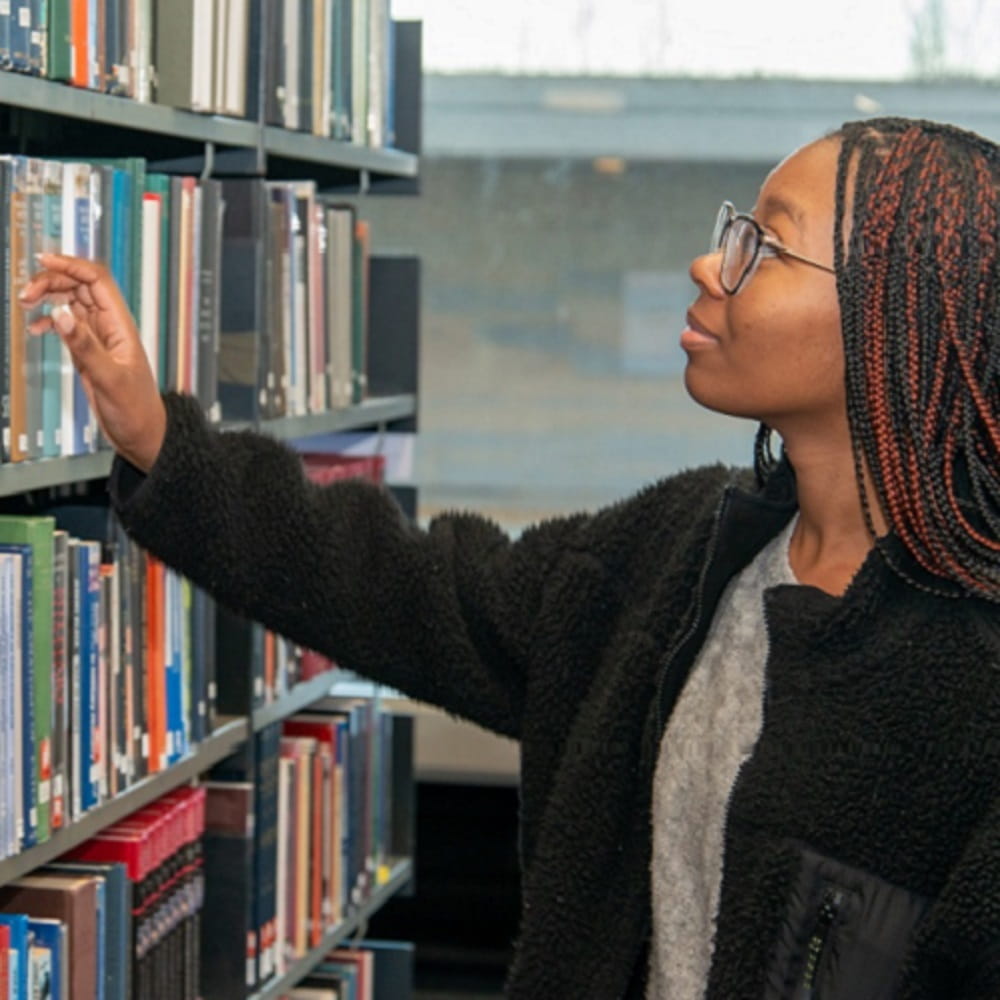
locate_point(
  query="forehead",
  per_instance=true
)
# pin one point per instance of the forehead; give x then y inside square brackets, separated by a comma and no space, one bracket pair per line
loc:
[806,179]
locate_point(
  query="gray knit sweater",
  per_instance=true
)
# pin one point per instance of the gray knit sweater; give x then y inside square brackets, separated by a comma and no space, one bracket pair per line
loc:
[712,731]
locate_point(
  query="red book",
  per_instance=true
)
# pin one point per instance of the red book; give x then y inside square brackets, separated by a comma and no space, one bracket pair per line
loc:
[4,960]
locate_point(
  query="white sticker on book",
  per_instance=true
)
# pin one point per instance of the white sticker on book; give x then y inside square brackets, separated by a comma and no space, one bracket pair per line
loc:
[44,793]
[4,8]
[24,17]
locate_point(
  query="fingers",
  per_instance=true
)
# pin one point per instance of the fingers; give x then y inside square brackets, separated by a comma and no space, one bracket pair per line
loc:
[87,279]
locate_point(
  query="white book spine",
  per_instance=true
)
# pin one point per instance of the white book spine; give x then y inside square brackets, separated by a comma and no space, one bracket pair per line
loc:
[152,221]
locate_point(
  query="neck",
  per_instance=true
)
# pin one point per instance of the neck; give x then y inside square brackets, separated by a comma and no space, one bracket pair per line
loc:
[831,539]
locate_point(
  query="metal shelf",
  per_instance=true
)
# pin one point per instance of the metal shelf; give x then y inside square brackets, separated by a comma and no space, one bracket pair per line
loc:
[52,97]
[20,477]
[300,697]
[228,736]
[401,874]
[336,153]
[370,413]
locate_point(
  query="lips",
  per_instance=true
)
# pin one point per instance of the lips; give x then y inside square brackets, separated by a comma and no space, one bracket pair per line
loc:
[696,334]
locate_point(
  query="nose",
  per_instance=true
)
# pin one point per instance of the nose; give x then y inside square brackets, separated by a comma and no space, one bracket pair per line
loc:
[706,273]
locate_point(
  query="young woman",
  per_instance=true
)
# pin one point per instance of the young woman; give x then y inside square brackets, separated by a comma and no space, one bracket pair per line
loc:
[757,715]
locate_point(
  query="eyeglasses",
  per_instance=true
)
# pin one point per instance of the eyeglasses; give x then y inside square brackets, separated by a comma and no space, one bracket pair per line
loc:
[743,242]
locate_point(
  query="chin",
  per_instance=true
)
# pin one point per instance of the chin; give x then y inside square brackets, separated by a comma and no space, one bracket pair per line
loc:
[707,391]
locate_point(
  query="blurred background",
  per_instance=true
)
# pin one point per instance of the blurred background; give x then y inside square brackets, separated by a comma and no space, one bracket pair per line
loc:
[575,154]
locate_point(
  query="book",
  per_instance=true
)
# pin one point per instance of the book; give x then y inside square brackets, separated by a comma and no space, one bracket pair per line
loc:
[49,958]
[117,921]
[18,943]
[72,900]
[243,341]
[23,745]
[37,533]
[229,941]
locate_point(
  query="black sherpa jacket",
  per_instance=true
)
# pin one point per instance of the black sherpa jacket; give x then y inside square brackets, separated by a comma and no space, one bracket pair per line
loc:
[862,849]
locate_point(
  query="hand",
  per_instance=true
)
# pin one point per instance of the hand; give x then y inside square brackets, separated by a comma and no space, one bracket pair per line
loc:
[94,323]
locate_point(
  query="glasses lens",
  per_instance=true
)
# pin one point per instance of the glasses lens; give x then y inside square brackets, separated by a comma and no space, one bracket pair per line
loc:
[722,221]
[739,249]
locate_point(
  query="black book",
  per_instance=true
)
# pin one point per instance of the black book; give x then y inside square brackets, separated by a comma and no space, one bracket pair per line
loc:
[255,60]
[243,339]
[207,375]
[227,918]
[274,68]
[239,663]
[306,26]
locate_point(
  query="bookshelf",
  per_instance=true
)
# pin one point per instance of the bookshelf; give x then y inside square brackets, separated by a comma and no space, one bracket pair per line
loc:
[48,119]
[227,737]
[400,877]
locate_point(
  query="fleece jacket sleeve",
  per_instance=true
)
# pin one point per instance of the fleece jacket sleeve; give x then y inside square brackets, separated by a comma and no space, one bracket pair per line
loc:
[444,615]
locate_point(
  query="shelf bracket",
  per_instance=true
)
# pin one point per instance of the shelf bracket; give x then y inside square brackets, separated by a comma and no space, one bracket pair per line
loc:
[209,166]
[364,181]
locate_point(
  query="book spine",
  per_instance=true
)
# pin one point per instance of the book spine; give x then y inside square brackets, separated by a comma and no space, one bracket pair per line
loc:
[51,346]
[60,677]
[6,278]
[38,57]
[20,36]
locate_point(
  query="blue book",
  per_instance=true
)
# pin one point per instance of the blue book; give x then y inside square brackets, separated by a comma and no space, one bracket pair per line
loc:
[49,936]
[174,670]
[337,972]
[26,752]
[20,938]
[116,935]
[20,35]
[90,654]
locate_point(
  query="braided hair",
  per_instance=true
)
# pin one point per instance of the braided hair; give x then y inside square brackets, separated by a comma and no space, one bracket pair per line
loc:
[918,279]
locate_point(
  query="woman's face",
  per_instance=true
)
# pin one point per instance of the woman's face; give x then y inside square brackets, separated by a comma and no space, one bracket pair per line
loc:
[773,352]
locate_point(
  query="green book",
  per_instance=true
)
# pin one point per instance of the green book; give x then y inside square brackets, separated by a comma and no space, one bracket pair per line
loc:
[60,40]
[37,532]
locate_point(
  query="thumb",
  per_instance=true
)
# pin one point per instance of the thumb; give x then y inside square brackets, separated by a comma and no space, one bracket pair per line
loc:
[63,319]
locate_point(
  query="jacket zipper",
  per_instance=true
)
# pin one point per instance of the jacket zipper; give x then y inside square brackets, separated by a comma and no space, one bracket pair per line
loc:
[697,611]
[829,907]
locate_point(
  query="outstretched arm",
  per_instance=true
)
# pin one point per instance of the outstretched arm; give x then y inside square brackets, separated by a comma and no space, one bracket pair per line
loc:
[444,615]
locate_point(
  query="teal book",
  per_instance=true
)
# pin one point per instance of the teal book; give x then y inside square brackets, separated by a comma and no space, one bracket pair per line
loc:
[60,55]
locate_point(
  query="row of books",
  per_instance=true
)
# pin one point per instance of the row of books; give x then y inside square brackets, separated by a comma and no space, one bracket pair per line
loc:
[106,668]
[119,917]
[252,295]
[326,64]
[319,788]
[113,667]
[329,69]
[372,970]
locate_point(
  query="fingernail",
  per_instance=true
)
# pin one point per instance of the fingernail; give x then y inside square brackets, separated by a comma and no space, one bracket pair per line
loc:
[63,318]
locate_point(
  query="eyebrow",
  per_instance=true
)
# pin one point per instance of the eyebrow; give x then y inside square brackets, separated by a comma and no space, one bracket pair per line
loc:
[776,203]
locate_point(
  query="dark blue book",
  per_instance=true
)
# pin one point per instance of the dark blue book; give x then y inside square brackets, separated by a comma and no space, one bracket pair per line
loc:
[85,557]
[117,919]
[20,937]
[393,968]
[27,750]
